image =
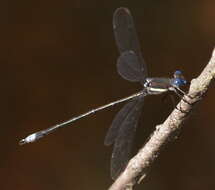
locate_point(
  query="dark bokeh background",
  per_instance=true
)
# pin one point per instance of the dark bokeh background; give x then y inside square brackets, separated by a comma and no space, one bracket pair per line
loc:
[58,60]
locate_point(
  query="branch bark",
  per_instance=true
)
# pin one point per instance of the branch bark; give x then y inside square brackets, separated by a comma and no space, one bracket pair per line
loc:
[137,167]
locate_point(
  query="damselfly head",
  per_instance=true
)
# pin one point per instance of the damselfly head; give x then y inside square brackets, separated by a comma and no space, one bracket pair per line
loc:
[179,79]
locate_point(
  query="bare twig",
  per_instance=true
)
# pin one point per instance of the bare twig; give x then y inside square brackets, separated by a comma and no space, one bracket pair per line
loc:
[136,169]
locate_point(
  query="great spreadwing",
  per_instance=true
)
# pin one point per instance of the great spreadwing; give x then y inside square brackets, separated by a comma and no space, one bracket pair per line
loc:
[130,66]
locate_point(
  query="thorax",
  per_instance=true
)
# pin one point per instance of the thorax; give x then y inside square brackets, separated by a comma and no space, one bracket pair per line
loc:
[157,85]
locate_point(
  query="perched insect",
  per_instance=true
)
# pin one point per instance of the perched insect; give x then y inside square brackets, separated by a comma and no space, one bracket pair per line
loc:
[131,66]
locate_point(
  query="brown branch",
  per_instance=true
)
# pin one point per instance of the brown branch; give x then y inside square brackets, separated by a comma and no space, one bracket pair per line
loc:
[137,168]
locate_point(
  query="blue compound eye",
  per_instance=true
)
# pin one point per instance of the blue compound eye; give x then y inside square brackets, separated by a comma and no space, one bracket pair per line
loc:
[178,72]
[179,82]
[184,82]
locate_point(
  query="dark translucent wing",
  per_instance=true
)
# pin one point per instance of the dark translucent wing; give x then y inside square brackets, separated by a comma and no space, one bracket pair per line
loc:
[126,37]
[124,31]
[124,140]
[116,123]
[129,68]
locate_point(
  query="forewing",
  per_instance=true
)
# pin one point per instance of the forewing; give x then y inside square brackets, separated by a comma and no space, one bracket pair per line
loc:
[126,37]
[129,68]
[116,123]
[124,140]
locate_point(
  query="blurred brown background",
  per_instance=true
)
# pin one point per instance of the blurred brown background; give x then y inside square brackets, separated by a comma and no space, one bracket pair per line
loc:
[58,60]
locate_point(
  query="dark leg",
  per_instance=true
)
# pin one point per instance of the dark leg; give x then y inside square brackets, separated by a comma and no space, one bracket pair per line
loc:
[173,100]
[177,90]
[181,97]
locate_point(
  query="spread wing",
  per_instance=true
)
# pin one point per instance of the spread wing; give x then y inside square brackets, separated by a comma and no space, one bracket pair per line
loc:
[127,42]
[129,68]
[122,134]
[117,122]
